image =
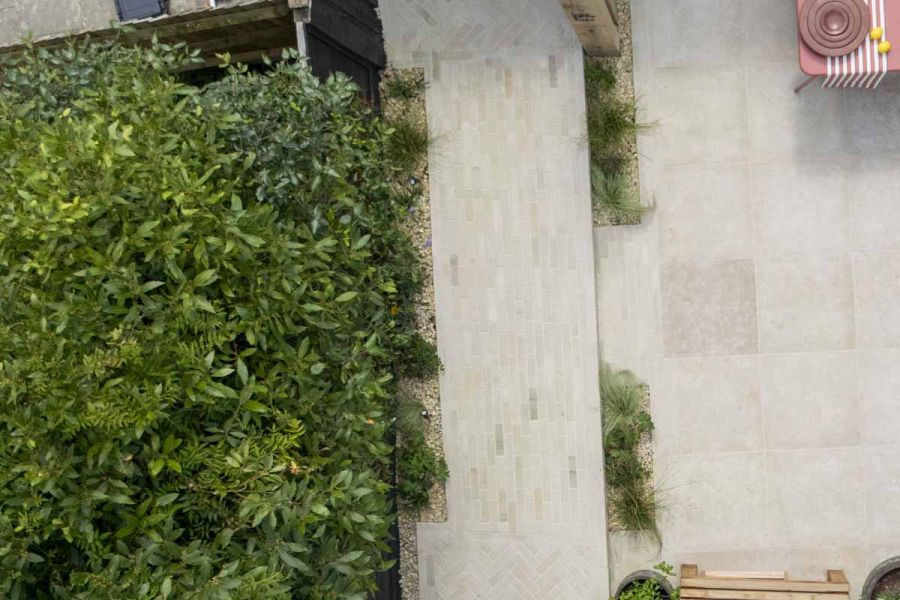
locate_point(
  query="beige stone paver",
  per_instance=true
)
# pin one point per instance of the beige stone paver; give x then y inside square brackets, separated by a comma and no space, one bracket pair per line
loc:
[515,300]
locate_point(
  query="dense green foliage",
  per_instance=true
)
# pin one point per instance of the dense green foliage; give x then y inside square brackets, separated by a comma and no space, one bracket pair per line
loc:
[420,359]
[630,492]
[198,300]
[650,588]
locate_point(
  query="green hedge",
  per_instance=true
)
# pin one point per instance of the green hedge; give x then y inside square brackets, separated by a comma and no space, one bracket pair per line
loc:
[196,331]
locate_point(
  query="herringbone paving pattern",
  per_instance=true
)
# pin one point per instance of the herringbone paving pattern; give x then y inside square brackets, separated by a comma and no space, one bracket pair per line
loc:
[515,300]
[486,566]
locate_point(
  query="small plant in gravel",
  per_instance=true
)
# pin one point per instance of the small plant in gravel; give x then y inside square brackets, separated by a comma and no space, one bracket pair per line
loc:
[409,412]
[598,79]
[404,87]
[615,194]
[632,497]
[611,126]
[420,469]
[421,359]
[611,119]
[407,145]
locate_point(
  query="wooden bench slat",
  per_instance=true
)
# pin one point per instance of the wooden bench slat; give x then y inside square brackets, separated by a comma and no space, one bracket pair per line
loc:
[836,576]
[698,594]
[764,585]
[746,574]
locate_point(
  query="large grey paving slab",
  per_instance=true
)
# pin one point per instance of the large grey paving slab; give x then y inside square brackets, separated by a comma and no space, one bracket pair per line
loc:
[879,391]
[876,277]
[784,125]
[874,203]
[882,481]
[709,308]
[805,303]
[816,497]
[715,501]
[801,207]
[706,215]
[710,405]
[810,400]
[515,300]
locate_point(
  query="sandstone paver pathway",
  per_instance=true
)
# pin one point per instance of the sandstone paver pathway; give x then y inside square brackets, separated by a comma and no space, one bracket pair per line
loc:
[515,300]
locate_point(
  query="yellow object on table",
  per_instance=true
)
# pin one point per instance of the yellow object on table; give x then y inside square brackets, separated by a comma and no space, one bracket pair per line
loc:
[876,33]
[884,47]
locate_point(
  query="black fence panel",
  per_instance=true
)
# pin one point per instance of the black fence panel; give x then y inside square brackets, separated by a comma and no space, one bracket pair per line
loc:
[346,36]
[389,581]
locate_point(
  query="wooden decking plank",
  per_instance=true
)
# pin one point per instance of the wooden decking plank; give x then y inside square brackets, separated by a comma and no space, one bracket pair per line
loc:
[746,574]
[763,585]
[701,594]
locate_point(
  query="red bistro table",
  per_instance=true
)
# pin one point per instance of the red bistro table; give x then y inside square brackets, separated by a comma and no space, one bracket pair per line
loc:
[864,67]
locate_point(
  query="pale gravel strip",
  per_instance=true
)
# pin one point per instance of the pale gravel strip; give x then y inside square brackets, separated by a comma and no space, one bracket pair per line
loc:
[418,226]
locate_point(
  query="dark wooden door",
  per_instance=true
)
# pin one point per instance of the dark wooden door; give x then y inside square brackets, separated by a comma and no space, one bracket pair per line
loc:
[346,36]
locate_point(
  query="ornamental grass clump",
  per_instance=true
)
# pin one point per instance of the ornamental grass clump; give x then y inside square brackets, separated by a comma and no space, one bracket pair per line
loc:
[633,499]
[196,335]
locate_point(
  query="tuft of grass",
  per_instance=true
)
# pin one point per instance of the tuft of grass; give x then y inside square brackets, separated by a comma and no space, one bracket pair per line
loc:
[406,147]
[614,193]
[408,411]
[598,79]
[611,122]
[420,359]
[404,87]
[890,594]
[633,499]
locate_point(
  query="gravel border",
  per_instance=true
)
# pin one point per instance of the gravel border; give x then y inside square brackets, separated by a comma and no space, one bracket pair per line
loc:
[418,226]
[622,67]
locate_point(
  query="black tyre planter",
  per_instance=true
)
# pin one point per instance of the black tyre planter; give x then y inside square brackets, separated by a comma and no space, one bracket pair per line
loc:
[885,575]
[665,588]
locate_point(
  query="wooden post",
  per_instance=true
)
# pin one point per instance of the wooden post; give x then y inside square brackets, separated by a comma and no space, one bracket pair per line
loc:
[836,576]
[594,21]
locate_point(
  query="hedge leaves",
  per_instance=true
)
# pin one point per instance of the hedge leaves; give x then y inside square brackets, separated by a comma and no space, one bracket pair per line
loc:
[196,331]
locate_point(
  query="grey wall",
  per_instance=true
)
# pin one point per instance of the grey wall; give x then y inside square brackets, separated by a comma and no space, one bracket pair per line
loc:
[53,17]
[48,17]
